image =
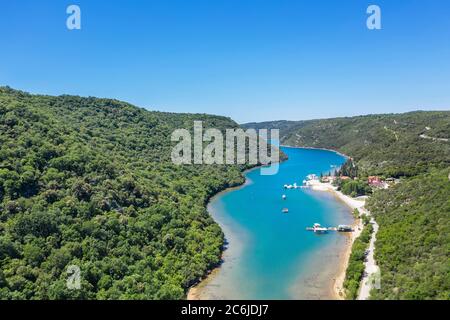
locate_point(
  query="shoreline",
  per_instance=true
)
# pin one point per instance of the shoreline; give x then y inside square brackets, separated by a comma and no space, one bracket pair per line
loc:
[338,283]
[313,148]
[193,292]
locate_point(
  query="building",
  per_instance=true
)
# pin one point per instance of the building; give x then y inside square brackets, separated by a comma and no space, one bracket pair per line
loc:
[377,182]
[329,179]
[374,181]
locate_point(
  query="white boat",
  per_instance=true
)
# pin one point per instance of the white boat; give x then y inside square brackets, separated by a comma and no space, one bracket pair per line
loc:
[293,186]
[317,228]
[312,177]
[285,210]
[284,197]
[320,230]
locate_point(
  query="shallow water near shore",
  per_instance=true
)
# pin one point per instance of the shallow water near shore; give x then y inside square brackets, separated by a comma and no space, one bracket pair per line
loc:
[270,255]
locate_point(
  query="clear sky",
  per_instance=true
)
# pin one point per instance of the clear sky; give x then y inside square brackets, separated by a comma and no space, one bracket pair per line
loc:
[251,60]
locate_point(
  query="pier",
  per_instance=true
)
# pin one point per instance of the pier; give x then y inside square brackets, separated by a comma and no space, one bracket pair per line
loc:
[317,228]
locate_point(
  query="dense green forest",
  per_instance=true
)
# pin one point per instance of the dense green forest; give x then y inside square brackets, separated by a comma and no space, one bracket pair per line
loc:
[354,187]
[89,182]
[355,268]
[412,247]
[413,242]
[388,144]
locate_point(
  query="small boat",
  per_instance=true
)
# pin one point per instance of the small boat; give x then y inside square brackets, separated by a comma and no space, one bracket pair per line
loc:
[284,197]
[320,230]
[285,210]
[317,228]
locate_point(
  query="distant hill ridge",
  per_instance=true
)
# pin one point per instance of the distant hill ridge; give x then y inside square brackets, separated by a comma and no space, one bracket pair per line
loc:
[389,144]
[414,215]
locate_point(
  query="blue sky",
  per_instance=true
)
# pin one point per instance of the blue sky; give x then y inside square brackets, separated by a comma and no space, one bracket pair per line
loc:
[251,60]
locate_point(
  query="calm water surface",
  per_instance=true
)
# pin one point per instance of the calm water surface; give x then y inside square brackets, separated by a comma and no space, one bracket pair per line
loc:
[270,255]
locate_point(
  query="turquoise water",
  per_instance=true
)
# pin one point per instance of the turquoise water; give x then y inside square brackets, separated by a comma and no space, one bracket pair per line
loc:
[270,254]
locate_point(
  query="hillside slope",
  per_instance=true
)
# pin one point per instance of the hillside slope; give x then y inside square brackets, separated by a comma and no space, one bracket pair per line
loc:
[412,248]
[89,182]
[388,144]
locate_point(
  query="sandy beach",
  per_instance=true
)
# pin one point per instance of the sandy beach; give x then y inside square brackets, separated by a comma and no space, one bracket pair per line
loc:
[358,203]
[197,292]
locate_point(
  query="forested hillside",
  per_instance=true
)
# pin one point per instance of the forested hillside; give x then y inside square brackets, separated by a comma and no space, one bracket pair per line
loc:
[389,144]
[412,247]
[413,242]
[89,182]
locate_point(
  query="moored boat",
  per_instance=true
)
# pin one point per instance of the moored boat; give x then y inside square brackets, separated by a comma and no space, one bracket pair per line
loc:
[317,228]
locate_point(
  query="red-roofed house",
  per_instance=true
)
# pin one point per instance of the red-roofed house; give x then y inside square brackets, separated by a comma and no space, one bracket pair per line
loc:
[375,181]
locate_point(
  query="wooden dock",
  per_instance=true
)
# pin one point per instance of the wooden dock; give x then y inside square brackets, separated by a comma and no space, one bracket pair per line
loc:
[331,229]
